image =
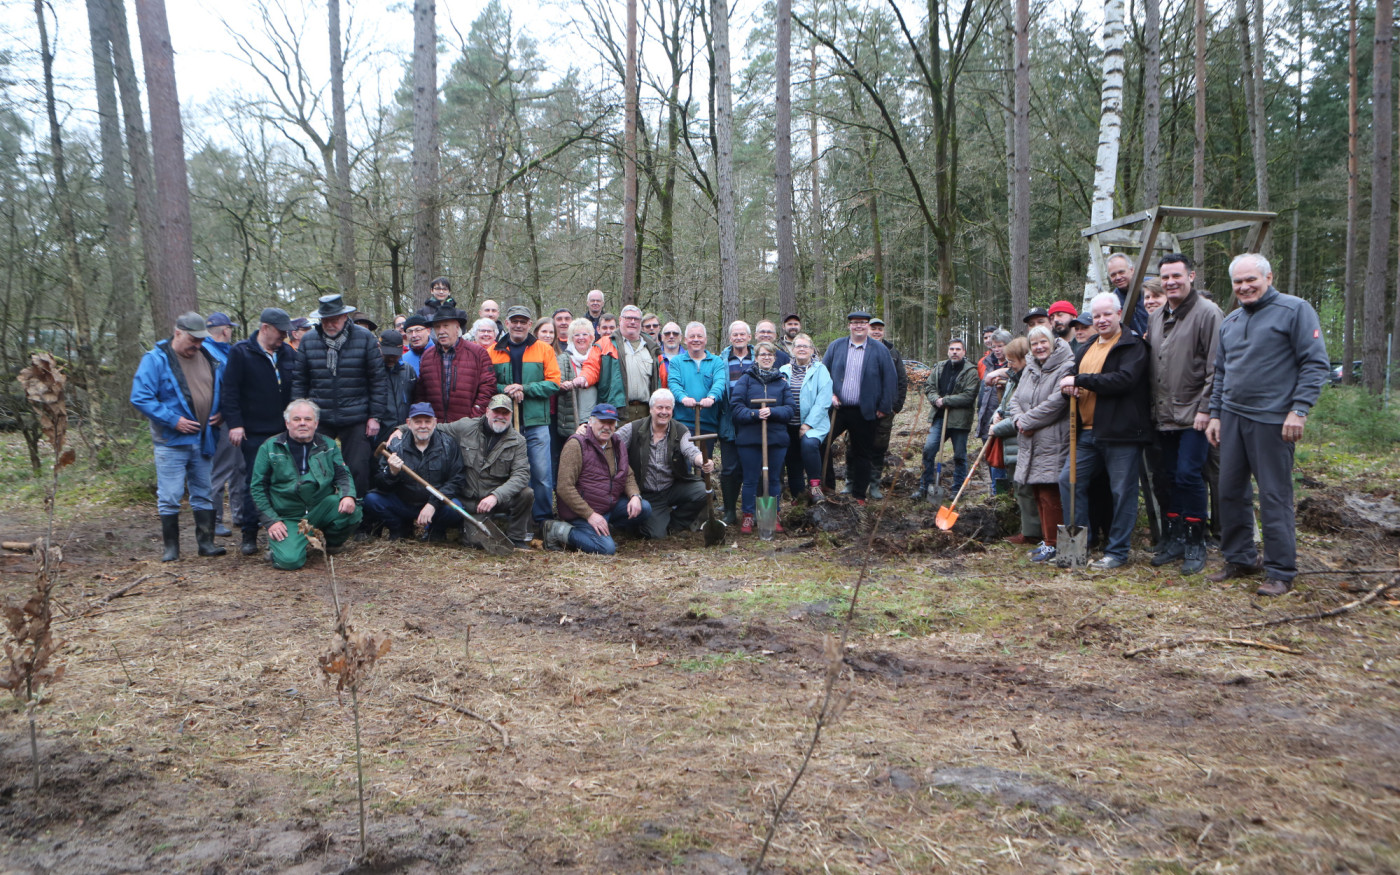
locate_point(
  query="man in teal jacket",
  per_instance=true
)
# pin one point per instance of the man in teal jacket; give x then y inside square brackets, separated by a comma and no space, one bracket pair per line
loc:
[301,475]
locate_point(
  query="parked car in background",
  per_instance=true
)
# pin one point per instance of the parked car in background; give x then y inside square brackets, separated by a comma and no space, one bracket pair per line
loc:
[1337,372]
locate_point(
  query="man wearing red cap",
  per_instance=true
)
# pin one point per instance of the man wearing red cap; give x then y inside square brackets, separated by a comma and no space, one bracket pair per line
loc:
[1062,315]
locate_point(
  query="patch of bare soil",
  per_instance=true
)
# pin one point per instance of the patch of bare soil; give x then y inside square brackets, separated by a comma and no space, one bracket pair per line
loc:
[655,704]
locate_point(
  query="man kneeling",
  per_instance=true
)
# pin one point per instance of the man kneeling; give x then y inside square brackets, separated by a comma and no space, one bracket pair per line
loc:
[597,487]
[301,475]
[496,464]
[662,450]
[398,502]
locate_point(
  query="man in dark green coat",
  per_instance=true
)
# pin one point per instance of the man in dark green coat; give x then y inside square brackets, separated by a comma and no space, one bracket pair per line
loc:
[301,475]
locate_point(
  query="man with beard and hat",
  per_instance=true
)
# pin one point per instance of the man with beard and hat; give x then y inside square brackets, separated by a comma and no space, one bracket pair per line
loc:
[496,462]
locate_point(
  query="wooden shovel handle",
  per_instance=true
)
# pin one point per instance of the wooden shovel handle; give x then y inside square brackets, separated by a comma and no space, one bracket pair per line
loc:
[968,478]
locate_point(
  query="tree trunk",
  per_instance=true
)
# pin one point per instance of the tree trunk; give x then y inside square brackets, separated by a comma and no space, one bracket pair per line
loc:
[1297,159]
[340,181]
[534,253]
[1349,283]
[629,163]
[168,153]
[724,162]
[139,156]
[118,203]
[1110,129]
[1021,135]
[1378,257]
[426,228]
[818,247]
[1198,174]
[1151,101]
[1261,113]
[880,303]
[782,154]
[68,228]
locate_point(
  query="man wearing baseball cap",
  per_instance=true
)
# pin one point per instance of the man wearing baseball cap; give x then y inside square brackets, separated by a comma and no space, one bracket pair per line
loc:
[257,388]
[528,372]
[398,502]
[497,464]
[177,387]
[597,488]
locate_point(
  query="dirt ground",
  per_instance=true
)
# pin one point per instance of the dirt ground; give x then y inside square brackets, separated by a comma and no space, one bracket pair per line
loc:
[654,705]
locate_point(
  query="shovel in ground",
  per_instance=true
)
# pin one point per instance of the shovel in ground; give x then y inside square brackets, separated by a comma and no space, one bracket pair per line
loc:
[766,516]
[1071,541]
[946,516]
[714,528]
[492,539]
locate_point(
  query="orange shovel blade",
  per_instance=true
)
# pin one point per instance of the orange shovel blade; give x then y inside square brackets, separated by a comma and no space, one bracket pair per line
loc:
[946,518]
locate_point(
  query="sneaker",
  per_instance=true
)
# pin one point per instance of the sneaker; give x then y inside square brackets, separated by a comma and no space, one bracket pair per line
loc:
[860,502]
[1107,563]
[874,492]
[1274,587]
[1042,553]
[747,527]
[816,492]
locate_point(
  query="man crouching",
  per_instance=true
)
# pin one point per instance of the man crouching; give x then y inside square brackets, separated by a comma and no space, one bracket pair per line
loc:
[301,475]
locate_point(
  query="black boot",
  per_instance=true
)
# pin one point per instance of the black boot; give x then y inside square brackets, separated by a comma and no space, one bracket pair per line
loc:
[1195,548]
[250,541]
[729,488]
[1173,542]
[170,533]
[204,533]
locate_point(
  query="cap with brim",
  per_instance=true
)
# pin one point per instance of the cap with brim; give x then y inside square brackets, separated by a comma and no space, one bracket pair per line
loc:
[301,323]
[217,320]
[1036,312]
[276,318]
[391,339]
[877,321]
[422,408]
[791,316]
[860,315]
[332,306]
[447,314]
[193,324]
[519,310]
[604,411]
[364,319]
[1063,307]
[1083,319]
[501,401]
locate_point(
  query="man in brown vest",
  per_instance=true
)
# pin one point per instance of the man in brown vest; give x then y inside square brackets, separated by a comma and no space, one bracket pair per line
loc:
[597,488]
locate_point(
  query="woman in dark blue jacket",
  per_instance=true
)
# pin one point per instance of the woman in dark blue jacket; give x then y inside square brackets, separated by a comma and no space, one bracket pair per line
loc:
[761,396]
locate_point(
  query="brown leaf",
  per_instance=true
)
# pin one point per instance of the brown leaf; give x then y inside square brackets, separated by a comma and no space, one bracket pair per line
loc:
[68,458]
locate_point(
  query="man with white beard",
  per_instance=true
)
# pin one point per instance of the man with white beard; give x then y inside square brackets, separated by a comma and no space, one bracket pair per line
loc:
[497,466]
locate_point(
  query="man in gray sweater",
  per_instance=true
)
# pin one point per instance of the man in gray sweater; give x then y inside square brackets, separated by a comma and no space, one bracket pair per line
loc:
[1270,367]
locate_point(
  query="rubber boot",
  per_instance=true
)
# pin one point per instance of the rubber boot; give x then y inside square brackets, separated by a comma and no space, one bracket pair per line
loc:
[204,533]
[1195,552]
[1173,542]
[729,488]
[873,491]
[250,541]
[170,533]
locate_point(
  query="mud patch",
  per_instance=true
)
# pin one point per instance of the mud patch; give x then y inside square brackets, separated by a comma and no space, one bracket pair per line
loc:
[1014,789]
[1334,511]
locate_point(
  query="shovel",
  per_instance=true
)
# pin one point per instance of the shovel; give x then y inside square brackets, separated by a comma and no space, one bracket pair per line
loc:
[493,540]
[766,517]
[714,528]
[1071,541]
[946,517]
[937,494]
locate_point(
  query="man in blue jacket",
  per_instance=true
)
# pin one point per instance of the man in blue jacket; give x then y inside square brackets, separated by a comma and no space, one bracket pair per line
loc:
[176,387]
[863,392]
[257,386]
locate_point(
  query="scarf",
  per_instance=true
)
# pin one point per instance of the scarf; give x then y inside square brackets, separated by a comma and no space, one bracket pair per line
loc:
[949,377]
[766,375]
[578,358]
[333,347]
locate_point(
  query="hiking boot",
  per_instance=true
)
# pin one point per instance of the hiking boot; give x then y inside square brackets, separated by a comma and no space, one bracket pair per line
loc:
[1017,539]
[170,534]
[747,527]
[1107,563]
[250,542]
[1274,587]
[815,490]
[1194,555]
[1232,571]
[1173,545]
[204,534]
[1043,553]
[874,492]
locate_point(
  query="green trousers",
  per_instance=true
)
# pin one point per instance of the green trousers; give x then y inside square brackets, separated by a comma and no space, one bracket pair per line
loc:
[290,552]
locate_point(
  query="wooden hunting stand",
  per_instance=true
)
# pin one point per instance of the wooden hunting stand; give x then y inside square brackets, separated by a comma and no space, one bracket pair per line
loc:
[1154,239]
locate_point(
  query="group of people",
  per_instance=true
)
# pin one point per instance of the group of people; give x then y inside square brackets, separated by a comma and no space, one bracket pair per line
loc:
[569,428]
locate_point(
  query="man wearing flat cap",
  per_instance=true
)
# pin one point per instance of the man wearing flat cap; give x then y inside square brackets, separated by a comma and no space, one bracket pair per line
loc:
[455,376]
[418,337]
[598,489]
[226,470]
[257,387]
[496,463]
[863,392]
[398,502]
[339,367]
[528,372]
[176,387]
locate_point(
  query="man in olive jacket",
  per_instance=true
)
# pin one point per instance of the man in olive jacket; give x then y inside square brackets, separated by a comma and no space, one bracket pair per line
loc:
[496,460]
[952,393]
[298,475]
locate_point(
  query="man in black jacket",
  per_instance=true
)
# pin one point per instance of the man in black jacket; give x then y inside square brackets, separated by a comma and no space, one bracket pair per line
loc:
[257,388]
[885,427]
[1110,382]
[339,367]
[398,501]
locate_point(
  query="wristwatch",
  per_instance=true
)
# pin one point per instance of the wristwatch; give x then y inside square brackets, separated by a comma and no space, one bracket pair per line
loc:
[1302,414]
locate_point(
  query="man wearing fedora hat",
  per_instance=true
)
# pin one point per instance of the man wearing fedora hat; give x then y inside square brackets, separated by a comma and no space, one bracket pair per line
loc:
[340,368]
[455,376]
[863,392]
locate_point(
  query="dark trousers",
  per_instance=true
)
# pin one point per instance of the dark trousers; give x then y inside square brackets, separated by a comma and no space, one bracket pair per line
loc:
[884,430]
[399,517]
[1183,461]
[1257,449]
[356,448]
[860,449]
[674,508]
[1121,464]
[250,446]
[797,482]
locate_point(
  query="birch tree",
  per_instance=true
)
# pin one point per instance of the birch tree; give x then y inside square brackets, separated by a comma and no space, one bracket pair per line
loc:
[1110,130]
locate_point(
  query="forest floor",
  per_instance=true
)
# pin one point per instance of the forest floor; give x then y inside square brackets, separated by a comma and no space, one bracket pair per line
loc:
[656,703]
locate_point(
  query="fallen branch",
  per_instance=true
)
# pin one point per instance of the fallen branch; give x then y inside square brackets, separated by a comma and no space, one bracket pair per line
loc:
[1322,571]
[124,590]
[505,736]
[1322,615]
[20,546]
[1206,639]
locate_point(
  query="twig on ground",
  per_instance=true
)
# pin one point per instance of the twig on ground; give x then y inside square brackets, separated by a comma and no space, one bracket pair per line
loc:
[124,590]
[1082,620]
[1208,639]
[1322,571]
[505,736]
[1322,615]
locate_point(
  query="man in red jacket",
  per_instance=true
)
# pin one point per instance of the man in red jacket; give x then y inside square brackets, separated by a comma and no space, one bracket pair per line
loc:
[454,376]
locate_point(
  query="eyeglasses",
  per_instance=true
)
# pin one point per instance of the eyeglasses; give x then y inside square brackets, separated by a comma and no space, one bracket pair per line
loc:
[670,334]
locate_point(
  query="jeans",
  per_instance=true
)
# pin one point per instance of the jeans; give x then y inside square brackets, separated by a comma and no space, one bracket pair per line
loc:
[399,517]
[753,474]
[1120,463]
[177,469]
[1184,454]
[958,438]
[585,540]
[1257,448]
[250,446]
[537,447]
